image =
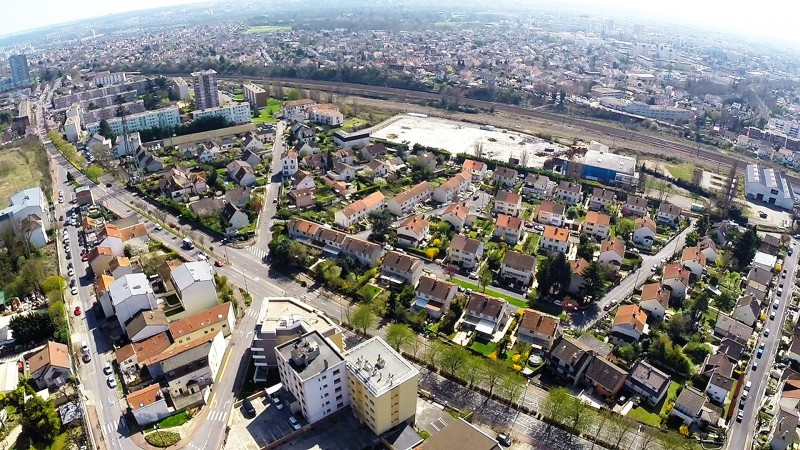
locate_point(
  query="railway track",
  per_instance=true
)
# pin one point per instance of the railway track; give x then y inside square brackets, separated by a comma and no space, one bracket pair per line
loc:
[663,147]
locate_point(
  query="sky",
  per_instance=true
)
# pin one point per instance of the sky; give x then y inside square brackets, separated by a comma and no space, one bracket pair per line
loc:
[769,18]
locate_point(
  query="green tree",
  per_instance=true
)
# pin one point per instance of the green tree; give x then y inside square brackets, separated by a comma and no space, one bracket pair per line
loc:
[725,301]
[471,370]
[595,284]
[572,213]
[293,94]
[579,415]
[381,222]
[485,277]
[363,318]
[745,247]
[560,273]
[543,278]
[493,371]
[452,358]
[54,283]
[692,239]
[106,131]
[557,407]
[625,228]
[285,250]
[702,224]
[398,335]
[40,420]
[94,173]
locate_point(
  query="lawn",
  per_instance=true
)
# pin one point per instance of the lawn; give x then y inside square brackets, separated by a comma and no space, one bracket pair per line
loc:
[513,300]
[174,420]
[651,415]
[19,170]
[351,124]
[681,171]
[269,29]
[267,114]
[369,291]
[641,415]
[484,349]
[239,97]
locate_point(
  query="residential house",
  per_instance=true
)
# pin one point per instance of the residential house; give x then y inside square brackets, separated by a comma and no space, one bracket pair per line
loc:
[207,207]
[505,176]
[654,300]
[577,280]
[688,405]
[148,405]
[728,327]
[719,231]
[550,213]
[486,315]
[303,180]
[50,367]
[537,186]
[465,252]
[425,160]
[303,133]
[449,190]
[207,153]
[289,164]
[747,310]
[195,286]
[554,240]
[708,248]
[373,151]
[765,261]
[146,324]
[405,201]
[297,107]
[518,267]
[507,203]
[342,172]
[784,434]
[635,206]
[396,164]
[630,323]
[649,383]
[378,168]
[402,267]
[476,169]
[644,232]
[568,359]
[303,150]
[235,218]
[508,228]
[456,215]
[250,156]
[612,253]
[359,210]
[601,198]
[605,377]
[537,328]
[29,211]
[434,296]
[668,214]
[758,282]
[344,156]
[238,196]
[719,386]
[412,231]
[147,162]
[676,278]
[252,144]
[241,173]
[569,193]
[303,198]
[366,253]
[177,183]
[100,256]
[597,225]
[694,260]
[770,244]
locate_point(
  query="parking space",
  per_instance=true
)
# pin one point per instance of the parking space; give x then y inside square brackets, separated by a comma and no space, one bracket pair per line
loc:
[341,432]
[268,425]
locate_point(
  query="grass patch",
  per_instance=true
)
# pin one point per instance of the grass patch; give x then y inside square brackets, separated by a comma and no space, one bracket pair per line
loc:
[513,300]
[641,415]
[175,420]
[485,349]
[19,169]
[681,171]
[545,307]
[651,415]
[268,29]
[369,292]
[239,97]
[267,114]
[162,438]
[351,124]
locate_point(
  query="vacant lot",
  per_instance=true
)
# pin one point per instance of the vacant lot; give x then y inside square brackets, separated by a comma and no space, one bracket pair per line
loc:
[267,114]
[23,165]
[268,29]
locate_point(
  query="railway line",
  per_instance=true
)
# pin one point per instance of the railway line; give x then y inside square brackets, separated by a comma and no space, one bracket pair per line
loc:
[662,147]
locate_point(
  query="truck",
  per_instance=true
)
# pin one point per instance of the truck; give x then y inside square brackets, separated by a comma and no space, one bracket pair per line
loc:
[188,244]
[696,207]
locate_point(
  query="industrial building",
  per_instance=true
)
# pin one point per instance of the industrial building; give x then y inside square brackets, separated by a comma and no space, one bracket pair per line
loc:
[768,186]
[599,164]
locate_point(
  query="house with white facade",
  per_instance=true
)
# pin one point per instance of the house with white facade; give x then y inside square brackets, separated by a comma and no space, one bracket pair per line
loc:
[486,315]
[694,260]
[456,215]
[194,283]
[676,278]
[630,323]
[537,328]
[518,267]
[644,232]
[401,267]
[550,213]
[241,173]
[747,310]
[507,203]
[434,296]
[449,190]
[538,186]
[412,231]
[668,214]
[148,405]
[289,165]
[569,193]
[554,240]
[127,296]
[359,210]
[601,198]
[612,253]
[635,206]
[654,300]
[405,201]
[508,228]
[597,225]
[648,383]
[465,252]
[28,216]
[505,176]
[476,169]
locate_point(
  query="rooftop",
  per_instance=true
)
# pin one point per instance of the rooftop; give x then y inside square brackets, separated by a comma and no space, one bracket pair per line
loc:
[310,354]
[378,367]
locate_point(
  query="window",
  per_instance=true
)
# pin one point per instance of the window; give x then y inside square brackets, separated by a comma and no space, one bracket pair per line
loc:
[339,397]
[337,381]
[324,377]
[336,372]
[338,389]
[339,405]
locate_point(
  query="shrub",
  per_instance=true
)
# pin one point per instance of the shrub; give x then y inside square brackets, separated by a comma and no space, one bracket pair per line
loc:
[163,438]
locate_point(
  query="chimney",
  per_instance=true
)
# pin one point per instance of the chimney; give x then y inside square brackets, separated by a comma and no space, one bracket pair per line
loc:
[326,363]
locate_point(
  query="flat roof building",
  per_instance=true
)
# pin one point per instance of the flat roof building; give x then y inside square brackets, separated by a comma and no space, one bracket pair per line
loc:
[206,95]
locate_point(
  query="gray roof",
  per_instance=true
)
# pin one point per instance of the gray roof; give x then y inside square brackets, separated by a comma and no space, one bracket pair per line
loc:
[378,366]
[691,400]
[610,161]
[191,272]
[565,349]
[729,327]
[316,363]
[647,376]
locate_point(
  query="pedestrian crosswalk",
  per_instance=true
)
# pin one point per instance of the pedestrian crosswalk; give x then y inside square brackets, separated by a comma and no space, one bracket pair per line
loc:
[217,416]
[109,427]
[257,251]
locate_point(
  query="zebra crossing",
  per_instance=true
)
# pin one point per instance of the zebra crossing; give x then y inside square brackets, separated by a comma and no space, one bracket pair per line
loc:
[257,251]
[217,416]
[110,428]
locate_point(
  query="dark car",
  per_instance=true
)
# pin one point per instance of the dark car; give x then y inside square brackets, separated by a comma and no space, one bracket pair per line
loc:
[248,408]
[108,184]
[69,255]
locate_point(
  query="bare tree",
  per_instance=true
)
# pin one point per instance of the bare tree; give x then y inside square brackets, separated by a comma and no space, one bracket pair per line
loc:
[478,146]
[524,156]
[279,94]
[621,427]
[314,94]
[493,372]
[433,353]
[414,345]
[512,385]
[471,371]
[581,415]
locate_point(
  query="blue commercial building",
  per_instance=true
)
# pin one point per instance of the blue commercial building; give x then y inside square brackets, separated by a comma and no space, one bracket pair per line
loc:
[602,166]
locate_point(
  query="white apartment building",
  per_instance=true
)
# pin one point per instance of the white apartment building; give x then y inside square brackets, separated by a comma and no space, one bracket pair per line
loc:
[108,78]
[28,216]
[237,113]
[313,370]
[169,117]
[181,88]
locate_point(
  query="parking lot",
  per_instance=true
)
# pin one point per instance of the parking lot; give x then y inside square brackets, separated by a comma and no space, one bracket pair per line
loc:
[270,424]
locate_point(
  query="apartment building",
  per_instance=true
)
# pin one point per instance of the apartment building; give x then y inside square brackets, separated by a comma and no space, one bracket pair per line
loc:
[312,368]
[255,95]
[237,113]
[180,88]
[127,296]
[405,201]
[206,95]
[164,118]
[382,385]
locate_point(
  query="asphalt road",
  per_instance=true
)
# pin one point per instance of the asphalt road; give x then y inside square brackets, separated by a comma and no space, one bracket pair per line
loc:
[740,434]
[588,317]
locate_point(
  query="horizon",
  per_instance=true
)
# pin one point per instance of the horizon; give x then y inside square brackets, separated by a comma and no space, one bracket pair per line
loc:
[731,17]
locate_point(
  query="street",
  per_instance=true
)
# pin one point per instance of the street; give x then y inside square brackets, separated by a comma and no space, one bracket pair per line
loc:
[740,435]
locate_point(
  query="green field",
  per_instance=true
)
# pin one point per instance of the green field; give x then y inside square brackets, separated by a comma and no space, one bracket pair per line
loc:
[20,169]
[267,114]
[681,171]
[351,124]
[268,29]
[239,97]
[513,300]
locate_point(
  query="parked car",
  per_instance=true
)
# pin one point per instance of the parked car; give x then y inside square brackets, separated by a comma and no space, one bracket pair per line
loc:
[277,402]
[504,440]
[248,408]
[112,382]
[74,290]
[107,369]
[77,311]
[294,423]
[740,416]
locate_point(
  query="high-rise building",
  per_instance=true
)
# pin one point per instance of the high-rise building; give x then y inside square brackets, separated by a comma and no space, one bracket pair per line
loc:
[19,68]
[205,89]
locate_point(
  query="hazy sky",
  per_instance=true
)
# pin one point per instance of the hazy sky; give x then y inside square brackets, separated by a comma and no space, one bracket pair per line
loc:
[770,18]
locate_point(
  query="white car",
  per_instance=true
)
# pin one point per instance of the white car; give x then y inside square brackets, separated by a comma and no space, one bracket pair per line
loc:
[70,271]
[278,403]
[775,304]
[107,369]
[748,385]
[112,382]
[74,290]
[766,332]
[158,227]
[294,423]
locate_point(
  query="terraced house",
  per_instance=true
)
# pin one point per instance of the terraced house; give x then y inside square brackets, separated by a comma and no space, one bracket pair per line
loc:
[359,210]
[406,201]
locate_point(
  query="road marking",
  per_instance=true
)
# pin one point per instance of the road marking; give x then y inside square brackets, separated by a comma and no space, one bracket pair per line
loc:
[257,251]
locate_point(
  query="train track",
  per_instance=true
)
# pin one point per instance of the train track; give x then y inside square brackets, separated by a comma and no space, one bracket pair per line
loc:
[662,147]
